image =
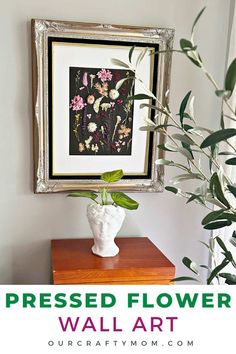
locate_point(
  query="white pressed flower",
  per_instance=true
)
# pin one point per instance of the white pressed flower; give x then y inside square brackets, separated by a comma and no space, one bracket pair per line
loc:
[94,147]
[105,106]
[88,141]
[118,119]
[92,127]
[113,94]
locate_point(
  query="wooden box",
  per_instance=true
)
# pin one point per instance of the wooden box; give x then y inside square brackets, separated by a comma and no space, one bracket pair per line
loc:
[138,262]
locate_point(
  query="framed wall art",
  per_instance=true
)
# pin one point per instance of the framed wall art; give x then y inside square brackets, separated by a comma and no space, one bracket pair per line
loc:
[84,120]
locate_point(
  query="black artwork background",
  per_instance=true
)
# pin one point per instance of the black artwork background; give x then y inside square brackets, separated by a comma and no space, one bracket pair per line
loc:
[114,124]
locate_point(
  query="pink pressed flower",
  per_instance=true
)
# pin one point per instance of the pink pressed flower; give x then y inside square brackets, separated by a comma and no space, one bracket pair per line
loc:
[104,75]
[85,79]
[77,103]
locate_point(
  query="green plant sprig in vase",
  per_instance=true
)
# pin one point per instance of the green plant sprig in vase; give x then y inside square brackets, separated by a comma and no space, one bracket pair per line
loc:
[106,214]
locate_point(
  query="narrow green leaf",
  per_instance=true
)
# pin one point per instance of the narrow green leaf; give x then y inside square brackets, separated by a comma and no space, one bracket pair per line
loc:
[217,191]
[171,189]
[212,216]
[222,121]
[204,266]
[221,243]
[112,176]
[222,93]
[131,53]
[85,194]
[218,136]
[183,138]
[122,200]
[140,96]
[230,278]
[217,225]
[141,56]
[197,18]
[163,147]
[231,161]
[189,149]
[232,189]
[227,153]
[184,279]
[143,105]
[147,128]
[164,162]
[185,152]
[195,197]
[120,63]
[190,265]
[183,106]
[230,78]
[187,127]
[185,177]
[217,270]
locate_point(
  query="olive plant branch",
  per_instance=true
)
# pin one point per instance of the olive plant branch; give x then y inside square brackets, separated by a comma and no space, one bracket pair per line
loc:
[191,161]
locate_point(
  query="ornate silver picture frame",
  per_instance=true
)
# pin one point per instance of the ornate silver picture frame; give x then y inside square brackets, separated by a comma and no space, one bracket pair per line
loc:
[84,120]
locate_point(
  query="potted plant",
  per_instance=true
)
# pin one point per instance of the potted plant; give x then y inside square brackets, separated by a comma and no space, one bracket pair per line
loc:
[106,214]
[214,188]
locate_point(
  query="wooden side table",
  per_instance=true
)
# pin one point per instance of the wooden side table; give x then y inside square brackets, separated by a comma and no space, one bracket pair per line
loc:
[138,262]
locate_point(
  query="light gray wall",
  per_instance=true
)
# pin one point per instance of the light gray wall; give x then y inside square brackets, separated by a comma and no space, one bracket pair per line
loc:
[28,221]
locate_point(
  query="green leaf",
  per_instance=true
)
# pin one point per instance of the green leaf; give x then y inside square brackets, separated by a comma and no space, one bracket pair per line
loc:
[222,93]
[221,243]
[212,216]
[85,194]
[183,138]
[187,127]
[147,128]
[185,177]
[217,270]
[163,162]
[131,53]
[171,189]
[120,82]
[217,225]
[190,265]
[140,96]
[188,147]
[122,200]
[183,106]
[143,105]
[197,18]
[227,153]
[230,278]
[183,279]
[185,152]
[204,266]
[120,63]
[231,161]
[222,121]
[141,56]
[217,191]
[216,137]
[195,197]
[185,44]
[227,216]
[163,147]
[230,78]
[112,176]
[232,189]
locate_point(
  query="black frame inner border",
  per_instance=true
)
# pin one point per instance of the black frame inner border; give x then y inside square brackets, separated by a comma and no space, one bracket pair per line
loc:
[154,89]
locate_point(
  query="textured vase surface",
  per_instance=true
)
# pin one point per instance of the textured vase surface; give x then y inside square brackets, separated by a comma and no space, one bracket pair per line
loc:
[105,222]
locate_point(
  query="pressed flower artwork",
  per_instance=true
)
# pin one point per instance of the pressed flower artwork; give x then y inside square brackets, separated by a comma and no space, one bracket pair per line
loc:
[101,117]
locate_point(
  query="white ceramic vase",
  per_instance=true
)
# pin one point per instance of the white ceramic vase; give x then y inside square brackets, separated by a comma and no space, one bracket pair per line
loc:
[105,222]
